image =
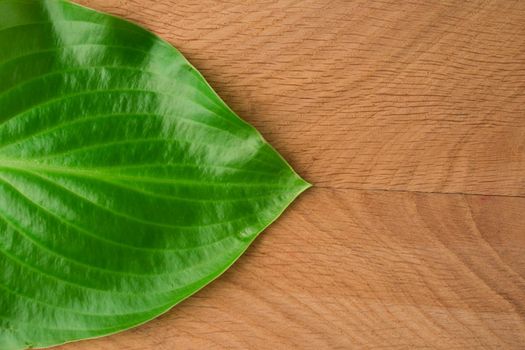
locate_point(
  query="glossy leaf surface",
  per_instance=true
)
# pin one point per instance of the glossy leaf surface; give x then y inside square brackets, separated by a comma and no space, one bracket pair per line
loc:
[126,183]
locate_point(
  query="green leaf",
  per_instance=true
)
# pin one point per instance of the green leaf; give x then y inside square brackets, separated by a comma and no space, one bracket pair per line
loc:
[126,183]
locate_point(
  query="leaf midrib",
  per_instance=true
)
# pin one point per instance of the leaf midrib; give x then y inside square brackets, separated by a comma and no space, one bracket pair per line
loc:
[96,173]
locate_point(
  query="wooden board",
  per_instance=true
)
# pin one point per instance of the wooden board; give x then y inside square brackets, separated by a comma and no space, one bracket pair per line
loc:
[409,118]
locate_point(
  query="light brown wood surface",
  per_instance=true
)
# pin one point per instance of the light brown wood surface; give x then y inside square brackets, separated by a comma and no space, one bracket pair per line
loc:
[409,119]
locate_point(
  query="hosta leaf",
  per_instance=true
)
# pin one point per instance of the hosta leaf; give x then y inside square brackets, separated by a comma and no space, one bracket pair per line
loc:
[126,183]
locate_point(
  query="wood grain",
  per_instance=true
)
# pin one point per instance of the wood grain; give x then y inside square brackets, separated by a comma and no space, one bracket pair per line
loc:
[409,118]
[421,95]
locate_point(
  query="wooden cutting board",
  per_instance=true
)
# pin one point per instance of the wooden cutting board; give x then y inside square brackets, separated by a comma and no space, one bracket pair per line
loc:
[409,119]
